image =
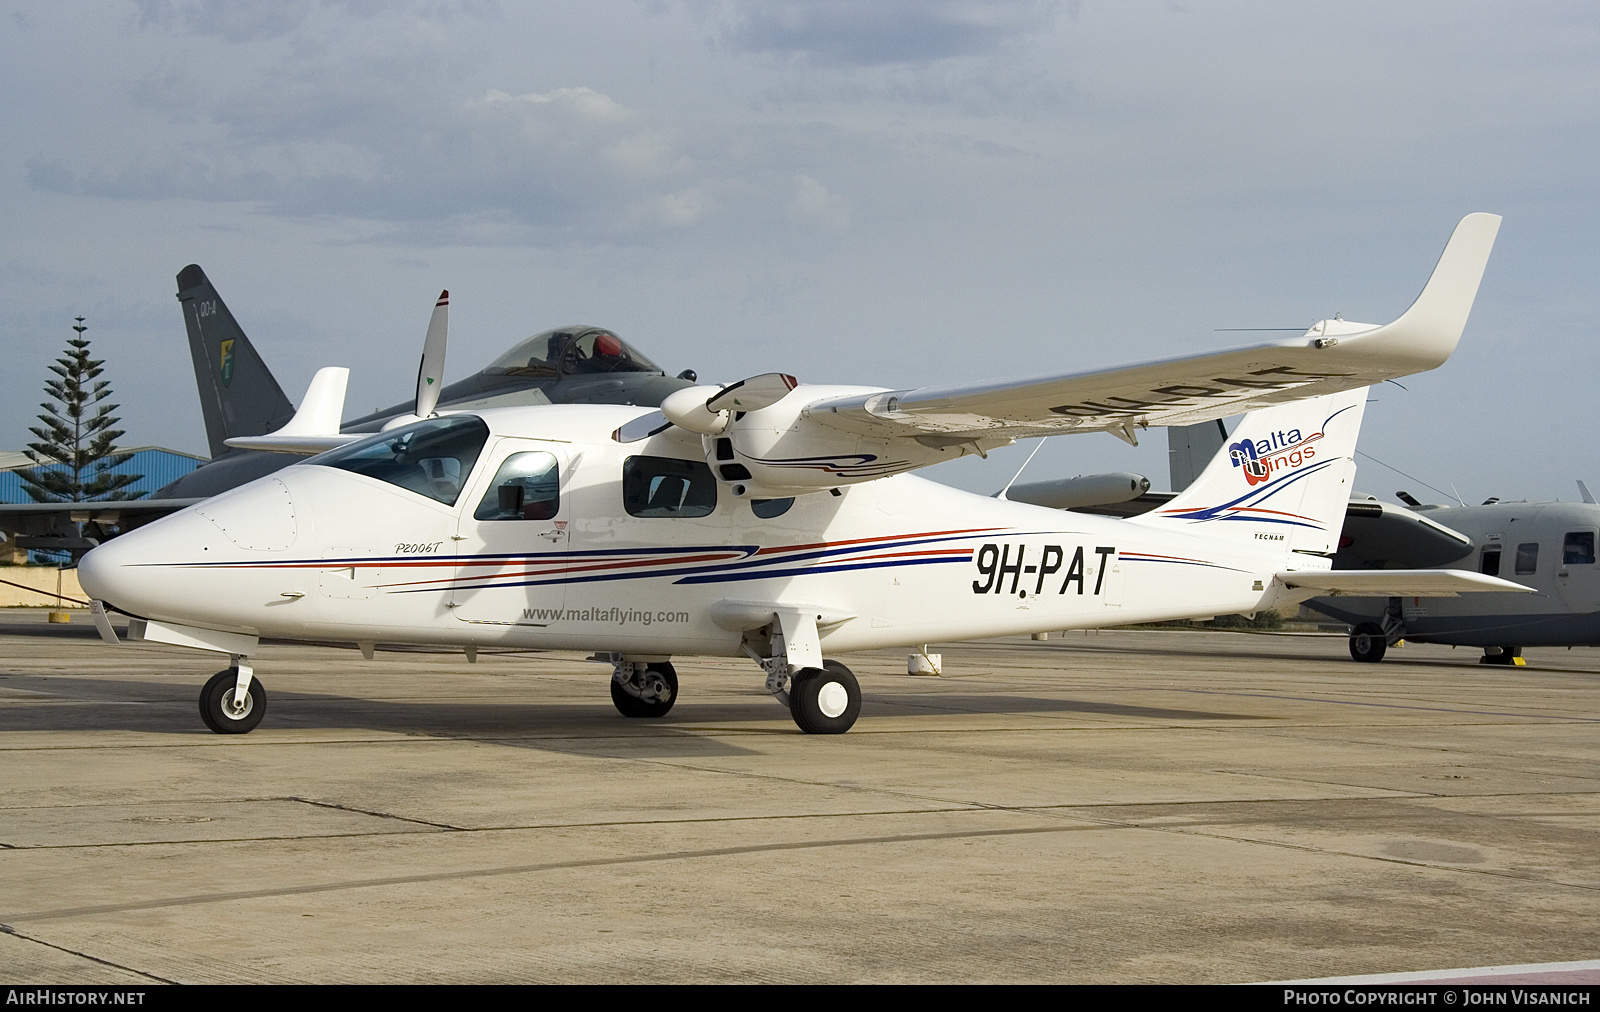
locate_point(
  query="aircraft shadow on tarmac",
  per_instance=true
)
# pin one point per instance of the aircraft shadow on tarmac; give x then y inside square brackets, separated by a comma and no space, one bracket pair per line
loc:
[74,703]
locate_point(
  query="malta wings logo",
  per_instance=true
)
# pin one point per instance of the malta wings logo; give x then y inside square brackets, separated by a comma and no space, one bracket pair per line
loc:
[227,362]
[1280,451]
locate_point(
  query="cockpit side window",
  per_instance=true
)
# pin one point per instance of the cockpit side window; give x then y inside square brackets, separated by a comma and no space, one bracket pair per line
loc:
[527,487]
[1578,549]
[431,457]
[667,487]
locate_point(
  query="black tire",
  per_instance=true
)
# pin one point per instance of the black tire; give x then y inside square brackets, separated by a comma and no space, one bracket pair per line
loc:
[630,705]
[1507,655]
[216,696]
[1367,643]
[825,700]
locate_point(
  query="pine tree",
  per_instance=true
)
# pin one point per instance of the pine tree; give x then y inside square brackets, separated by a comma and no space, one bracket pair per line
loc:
[77,449]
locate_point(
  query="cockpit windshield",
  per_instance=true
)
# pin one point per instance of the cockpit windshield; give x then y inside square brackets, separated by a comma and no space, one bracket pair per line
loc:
[431,457]
[571,351]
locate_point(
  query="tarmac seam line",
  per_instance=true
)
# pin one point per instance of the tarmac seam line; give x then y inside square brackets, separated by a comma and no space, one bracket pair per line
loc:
[9,930]
[1488,872]
[953,809]
[528,869]
[380,815]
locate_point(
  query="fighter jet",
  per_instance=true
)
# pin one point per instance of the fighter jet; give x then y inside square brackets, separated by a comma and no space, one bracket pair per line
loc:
[240,398]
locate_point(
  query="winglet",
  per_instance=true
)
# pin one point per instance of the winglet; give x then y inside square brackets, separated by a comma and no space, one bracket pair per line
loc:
[322,408]
[315,426]
[1429,330]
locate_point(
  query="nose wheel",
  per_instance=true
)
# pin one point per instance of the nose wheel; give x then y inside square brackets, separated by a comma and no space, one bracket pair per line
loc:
[648,690]
[222,708]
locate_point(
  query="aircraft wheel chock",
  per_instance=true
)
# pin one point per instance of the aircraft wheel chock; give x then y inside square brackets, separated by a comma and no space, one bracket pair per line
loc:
[217,706]
[657,688]
[825,700]
[1367,643]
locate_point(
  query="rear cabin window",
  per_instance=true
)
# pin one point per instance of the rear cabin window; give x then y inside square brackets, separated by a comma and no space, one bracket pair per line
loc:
[1527,558]
[1578,549]
[667,487]
[527,487]
[430,458]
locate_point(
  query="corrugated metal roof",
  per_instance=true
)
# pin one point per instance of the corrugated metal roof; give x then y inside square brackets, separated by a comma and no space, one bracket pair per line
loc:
[158,466]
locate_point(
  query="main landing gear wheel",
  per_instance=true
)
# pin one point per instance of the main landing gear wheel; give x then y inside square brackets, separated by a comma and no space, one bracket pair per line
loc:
[825,700]
[650,693]
[219,709]
[1367,643]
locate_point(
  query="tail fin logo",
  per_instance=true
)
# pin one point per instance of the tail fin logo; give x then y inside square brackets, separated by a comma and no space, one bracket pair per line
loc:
[227,363]
[1280,451]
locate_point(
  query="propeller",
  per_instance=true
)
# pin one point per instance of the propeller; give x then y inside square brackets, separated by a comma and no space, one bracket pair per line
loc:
[430,374]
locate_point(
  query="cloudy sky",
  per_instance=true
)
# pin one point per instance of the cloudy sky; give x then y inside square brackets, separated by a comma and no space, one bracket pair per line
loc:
[894,192]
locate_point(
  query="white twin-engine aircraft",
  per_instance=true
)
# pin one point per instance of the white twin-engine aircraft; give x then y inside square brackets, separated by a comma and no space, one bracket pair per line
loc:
[776,520]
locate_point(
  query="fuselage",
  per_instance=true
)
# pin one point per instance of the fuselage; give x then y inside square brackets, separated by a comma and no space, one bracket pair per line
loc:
[570,540]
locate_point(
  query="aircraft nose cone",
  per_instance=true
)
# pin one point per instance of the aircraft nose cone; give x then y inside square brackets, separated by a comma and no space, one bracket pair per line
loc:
[135,572]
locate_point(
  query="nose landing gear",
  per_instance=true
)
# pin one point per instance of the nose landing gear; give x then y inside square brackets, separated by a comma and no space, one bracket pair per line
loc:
[228,710]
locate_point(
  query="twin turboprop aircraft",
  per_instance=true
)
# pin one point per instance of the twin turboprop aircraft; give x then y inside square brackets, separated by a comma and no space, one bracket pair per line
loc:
[777,520]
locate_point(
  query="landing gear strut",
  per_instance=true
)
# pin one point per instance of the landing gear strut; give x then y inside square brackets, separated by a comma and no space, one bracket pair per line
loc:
[227,710]
[643,690]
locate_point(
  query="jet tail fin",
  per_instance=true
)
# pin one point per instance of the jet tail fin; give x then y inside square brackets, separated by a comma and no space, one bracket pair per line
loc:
[1283,478]
[238,394]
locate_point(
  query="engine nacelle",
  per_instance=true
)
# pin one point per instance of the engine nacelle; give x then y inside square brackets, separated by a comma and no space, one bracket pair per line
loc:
[779,451]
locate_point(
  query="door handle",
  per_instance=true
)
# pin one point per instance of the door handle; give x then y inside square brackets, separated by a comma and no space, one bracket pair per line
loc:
[552,535]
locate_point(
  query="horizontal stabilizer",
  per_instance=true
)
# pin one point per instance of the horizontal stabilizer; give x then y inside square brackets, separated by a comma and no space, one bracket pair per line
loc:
[1398,583]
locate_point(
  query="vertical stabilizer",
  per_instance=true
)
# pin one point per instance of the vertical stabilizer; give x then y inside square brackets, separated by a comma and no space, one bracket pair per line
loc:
[1282,479]
[238,395]
[1190,448]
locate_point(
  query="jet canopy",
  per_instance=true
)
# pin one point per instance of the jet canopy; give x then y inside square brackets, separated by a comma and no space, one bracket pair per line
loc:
[571,351]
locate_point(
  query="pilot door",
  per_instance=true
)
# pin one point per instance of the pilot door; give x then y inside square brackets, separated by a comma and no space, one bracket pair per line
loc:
[511,541]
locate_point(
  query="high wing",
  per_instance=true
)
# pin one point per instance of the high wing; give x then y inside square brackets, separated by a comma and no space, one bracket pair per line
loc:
[1333,355]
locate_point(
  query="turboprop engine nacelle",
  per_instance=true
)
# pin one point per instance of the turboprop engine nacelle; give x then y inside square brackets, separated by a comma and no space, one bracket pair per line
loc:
[781,450]
[762,442]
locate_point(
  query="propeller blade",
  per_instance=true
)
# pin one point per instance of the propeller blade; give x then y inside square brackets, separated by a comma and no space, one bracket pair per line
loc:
[430,374]
[754,393]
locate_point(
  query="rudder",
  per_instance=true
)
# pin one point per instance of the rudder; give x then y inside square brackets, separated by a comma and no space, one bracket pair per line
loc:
[238,394]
